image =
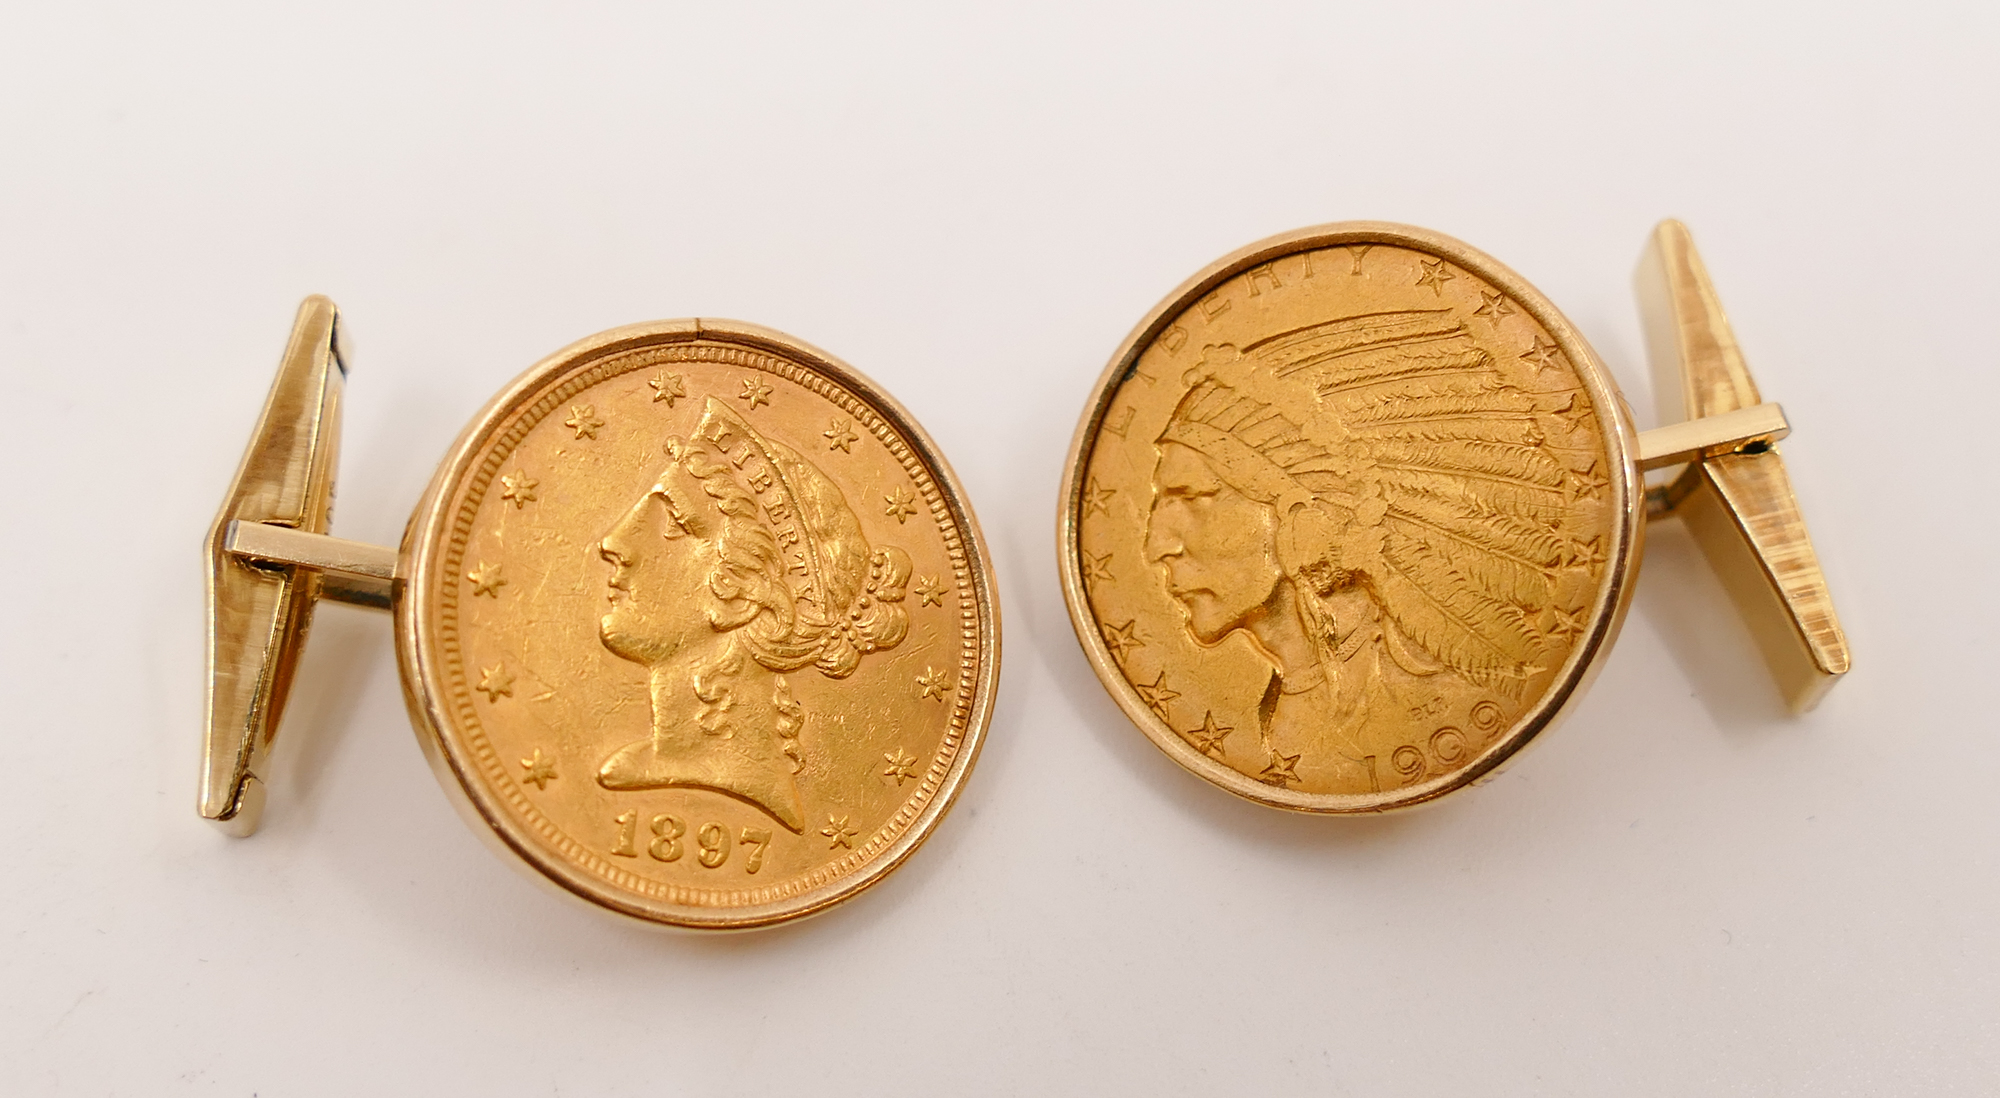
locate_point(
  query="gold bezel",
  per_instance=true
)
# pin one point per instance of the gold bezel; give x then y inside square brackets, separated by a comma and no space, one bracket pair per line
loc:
[423,550]
[1614,593]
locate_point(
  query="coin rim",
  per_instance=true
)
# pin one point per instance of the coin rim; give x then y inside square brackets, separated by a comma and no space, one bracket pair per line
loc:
[1614,595]
[415,596]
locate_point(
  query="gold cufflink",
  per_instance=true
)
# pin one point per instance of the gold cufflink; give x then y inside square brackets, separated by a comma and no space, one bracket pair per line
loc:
[1734,495]
[1355,513]
[694,621]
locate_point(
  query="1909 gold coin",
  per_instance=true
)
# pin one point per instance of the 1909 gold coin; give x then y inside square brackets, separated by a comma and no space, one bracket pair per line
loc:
[1350,519]
[698,625]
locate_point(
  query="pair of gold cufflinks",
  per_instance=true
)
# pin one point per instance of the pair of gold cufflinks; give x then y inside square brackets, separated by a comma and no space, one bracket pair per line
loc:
[695,622]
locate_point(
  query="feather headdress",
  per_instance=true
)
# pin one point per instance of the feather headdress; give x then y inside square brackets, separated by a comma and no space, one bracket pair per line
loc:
[1397,457]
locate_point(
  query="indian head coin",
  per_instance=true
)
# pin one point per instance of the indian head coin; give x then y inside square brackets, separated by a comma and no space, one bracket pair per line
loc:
[1350,518]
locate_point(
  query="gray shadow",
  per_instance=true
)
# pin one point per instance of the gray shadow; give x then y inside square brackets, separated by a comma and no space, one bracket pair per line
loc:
[332,678]
[1700,626]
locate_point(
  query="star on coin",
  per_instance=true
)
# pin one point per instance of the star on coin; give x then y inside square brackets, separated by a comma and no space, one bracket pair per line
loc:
[1122,639]
[1542,355]
[1157,694]
[1586,554]
[755,391]
[840,831]
[1435,275]
[1565,622]
[1576,411]
[902,504]
[1282,769]
[495,681]
[1208,740]
[1096,498]
[1495,308]
[929,591]
[668,387]
[486,580]
[517,488]
[931,683]
[1588,482]
[583,420]
[840,435]
[540,769]
[902,766]
[1097,569]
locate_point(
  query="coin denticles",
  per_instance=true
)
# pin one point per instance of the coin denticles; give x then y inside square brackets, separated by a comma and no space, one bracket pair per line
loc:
[1339,521]
[679,598]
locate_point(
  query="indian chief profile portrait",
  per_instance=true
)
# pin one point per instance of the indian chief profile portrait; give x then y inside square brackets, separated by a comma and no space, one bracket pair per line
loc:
[1375,505]
[741,564]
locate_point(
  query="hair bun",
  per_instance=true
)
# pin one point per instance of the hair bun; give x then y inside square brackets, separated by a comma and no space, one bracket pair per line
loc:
[878,615]
[875,621]
[888,573]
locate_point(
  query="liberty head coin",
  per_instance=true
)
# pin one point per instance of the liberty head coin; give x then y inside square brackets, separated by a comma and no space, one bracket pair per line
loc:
[695,624]
[698,624]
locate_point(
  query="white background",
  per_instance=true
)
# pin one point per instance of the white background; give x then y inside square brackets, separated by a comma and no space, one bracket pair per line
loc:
[1681,891]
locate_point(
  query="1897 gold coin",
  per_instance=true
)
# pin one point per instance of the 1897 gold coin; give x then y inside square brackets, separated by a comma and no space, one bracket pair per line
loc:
[1353,516]
[693,621]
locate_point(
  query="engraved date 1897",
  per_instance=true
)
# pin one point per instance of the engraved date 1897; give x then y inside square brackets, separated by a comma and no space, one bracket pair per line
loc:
[712,842]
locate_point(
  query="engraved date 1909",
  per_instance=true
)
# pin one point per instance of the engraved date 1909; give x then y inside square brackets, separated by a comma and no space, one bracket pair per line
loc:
[712,841]
[1448,748]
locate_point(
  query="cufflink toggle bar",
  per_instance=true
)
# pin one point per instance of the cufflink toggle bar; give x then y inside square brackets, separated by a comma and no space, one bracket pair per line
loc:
[1733,495]
[270,560]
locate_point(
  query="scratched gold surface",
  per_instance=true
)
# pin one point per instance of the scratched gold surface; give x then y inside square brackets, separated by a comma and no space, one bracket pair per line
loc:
[1342,525]
[712,639]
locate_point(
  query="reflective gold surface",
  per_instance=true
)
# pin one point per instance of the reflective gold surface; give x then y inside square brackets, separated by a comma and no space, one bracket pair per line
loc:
[697,623]
[693,619]
[349,571]
[258,616]
[1759,425]
[1350,518]
[1737,503]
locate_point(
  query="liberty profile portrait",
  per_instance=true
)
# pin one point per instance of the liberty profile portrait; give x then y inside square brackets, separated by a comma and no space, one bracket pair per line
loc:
[741,564]
[1376,507]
